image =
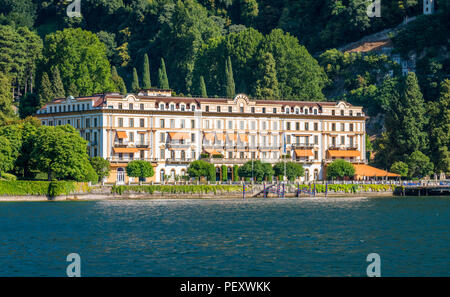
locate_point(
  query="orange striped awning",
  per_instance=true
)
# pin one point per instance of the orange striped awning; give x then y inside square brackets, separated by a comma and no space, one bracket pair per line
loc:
[344,153]
[366,170]
[243,137]
[231,137]
[213,152]
[178,136]
[125,150]
[209,136]
[304,153]
[221,137]
[122,134]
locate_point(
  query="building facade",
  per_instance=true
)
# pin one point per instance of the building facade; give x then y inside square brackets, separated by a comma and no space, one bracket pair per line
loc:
[170,132]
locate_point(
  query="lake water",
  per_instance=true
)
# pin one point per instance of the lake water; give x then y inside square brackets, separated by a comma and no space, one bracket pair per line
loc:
[265,237]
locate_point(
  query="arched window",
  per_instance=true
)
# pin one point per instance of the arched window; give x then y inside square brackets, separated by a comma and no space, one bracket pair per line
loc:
[306,110]
[316,174]
[287,110]
[306,174]
[162,175]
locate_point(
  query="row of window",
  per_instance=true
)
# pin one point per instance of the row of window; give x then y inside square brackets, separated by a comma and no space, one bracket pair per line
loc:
[192,107]
[131,123]
[68,108]
[76,123]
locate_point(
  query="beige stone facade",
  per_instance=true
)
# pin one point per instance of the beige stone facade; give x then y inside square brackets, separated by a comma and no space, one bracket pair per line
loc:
[170,132]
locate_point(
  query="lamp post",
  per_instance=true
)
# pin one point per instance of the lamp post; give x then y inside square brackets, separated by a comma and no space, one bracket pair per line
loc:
[252,170]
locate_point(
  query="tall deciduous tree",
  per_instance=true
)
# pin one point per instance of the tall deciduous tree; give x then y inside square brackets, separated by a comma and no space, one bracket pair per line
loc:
[146,82]
[81,59]
[419,165]
[190,25]
[299,75]
[6,99]
[6,158]
[61,153]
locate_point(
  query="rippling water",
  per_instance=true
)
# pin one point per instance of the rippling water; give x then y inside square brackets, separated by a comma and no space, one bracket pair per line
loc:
[272,237]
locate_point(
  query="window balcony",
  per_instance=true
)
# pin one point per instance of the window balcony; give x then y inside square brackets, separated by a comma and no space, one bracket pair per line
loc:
[178,145]
[142,144]
[121,144]
[179,160]
[302,145]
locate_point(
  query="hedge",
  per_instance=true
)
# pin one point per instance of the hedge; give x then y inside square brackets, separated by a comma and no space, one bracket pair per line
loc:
[174,189]
[54,188]
[349,188]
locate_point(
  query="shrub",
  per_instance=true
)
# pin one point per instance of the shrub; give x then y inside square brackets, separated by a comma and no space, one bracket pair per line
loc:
[9,176]
[54,188]
[141,169]
[91,175]
[177,189]
[340,169]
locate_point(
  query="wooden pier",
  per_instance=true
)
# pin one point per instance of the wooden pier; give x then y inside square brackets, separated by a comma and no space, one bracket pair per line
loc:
[423,190]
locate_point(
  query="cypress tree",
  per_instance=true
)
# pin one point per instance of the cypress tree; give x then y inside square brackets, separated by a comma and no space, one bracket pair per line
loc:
[162,76]
[203,88]
[406,120]
[46,91]
[73,90]
[135,84]
[230,87]
[119,84]
[58,87]
[267,83]
[439,128]
[146,82]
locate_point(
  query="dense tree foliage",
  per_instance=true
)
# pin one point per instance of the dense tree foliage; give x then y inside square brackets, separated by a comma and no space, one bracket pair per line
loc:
[101,166]
[267,44]
[419,165]
[400,168]
[339,169]
[201,169]
[61,153]
[6,98]
[81,59]
[439,113]
[258,170]
[140,169]
[293,170]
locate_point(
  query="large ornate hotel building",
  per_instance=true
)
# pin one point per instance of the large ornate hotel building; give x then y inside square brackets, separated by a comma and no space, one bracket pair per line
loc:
[170,132]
